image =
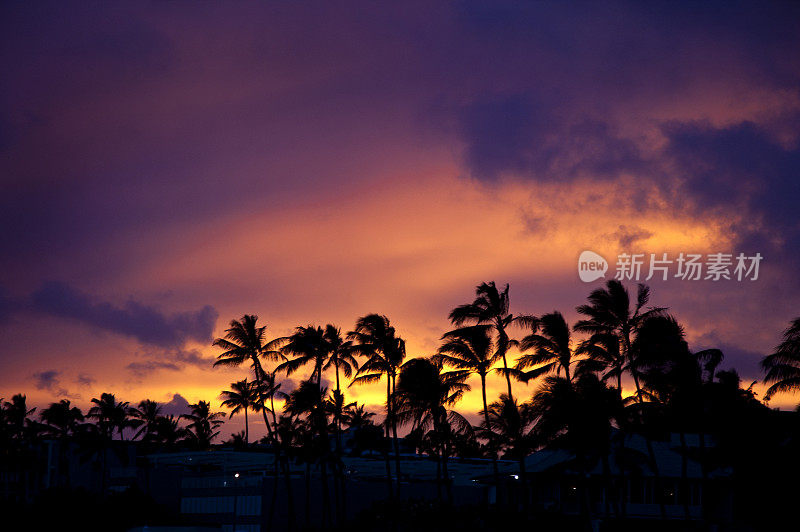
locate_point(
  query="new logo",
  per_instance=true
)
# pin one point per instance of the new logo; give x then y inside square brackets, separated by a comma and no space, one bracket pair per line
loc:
[591,266]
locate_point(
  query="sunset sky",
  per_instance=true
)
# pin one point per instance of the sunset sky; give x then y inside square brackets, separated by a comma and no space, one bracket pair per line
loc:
[168,166]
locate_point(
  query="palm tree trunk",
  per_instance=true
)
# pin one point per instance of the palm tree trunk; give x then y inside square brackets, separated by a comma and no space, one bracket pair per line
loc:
[489,433]
[650,452]
[446,474]
[439,476]
[395,440]
[389,482]
[246,429]
[503,346]
[258,370]
[341,491]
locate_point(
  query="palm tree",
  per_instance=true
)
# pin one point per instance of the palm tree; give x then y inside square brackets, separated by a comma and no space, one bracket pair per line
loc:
[577,416]
[609,312]
[202,424]
[244,342]
[61,419]
[423,396]
[308,401]
[552,349]
[783,366]
[602,354]
[491,306]
[146,417]
[340,357]
[306,345]
[356,416]
[366,434]
[110,415]
[377,340]
[168,431]
[15,414]
[240,398]
[512,426]
[472,349]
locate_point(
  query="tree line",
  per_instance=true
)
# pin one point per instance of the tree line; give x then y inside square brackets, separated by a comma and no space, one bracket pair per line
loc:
[578,403]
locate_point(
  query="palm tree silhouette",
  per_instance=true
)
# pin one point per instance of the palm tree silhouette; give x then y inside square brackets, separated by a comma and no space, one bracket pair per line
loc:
[472,349]
[491,306]
[340,355]
[146,417]
[577,415]
[783,366]
[374,338]
[306,345]
[609,312]
[110,415]
[552,349]
[61,419]
[168,431]
[512,426]
[203,423]
[240,398]
[244,342]
[308,401]
[356,416]
[16,414]
[423,396]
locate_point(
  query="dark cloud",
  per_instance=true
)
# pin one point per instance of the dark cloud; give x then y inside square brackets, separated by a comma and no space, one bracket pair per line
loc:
[739,162]
[84,379]
[145,323]
[194,358]
[143,369]
[170,361]
[745,167]
[522,136]
[629,235]
[49,380]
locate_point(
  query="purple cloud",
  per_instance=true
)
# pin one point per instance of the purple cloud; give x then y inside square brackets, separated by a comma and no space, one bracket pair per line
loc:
[134,319]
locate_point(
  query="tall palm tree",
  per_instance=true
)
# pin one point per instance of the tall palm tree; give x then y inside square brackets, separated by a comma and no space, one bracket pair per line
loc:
[783,366]
[472,349]
[240,398]
[110,415]
[577,415]
[306,345]
[308,401]
[609,312]
[340,354]
[374,338]
[512,426]
[168,431]
[146,417]
[356,416]
[423,395]
[203,423]
[61,419]
[552,348]
[603,355]
[15,414]
[491,306]
[245,342]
